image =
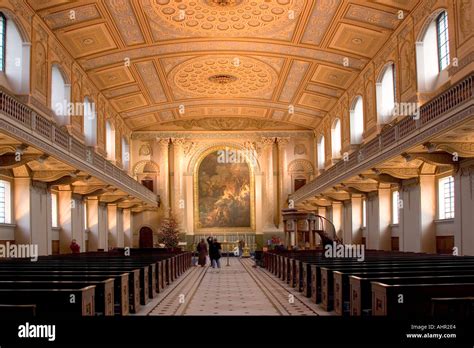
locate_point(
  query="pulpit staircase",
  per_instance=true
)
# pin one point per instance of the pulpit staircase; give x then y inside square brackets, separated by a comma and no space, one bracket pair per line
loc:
[326,230]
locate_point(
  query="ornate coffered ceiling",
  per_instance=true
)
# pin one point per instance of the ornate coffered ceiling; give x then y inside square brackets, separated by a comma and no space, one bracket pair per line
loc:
[279,62]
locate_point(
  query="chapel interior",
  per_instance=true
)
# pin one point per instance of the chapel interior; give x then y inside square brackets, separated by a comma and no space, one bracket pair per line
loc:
[357,115]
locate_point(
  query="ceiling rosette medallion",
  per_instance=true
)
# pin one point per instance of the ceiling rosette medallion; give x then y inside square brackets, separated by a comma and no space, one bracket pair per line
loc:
[223,76]
[224,17]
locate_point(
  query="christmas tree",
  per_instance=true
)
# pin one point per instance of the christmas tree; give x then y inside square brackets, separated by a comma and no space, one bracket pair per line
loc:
[169,232]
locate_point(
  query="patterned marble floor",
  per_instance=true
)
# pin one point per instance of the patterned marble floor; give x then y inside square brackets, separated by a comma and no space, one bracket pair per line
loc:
[237,289]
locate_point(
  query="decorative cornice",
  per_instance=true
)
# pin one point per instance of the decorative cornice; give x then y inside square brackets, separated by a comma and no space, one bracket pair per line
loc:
[214,136]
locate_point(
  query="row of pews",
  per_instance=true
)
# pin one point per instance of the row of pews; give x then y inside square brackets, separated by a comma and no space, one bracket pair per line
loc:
[395,284]
[117,282]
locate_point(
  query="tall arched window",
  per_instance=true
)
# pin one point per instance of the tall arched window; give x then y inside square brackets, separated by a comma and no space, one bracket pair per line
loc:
[321,152]
[443,40]
[386,94]
[90,122]
[60,94]
[110,140]
[3,39]
[432,53]
[125,154]
[15,56]
[336,138]
[357,120]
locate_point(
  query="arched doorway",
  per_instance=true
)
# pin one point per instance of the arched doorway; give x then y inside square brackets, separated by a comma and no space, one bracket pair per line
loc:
[145,237]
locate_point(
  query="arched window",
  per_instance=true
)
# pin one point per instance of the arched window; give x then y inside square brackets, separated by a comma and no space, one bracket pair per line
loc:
[110,140]
[60,94]
[386,94]
[432,53]
[443,40]
[3,39]
[321,152]
[336,138]
[125,154]
[90,123]
[15,56]
[357,120]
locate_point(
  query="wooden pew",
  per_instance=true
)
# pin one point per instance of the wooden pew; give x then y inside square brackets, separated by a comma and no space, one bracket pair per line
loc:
[17,311]
[54,303]
[359,291]
[417,298]
[121,294]
[327,283]
[133,280]
[144,283]
[461,308]
[104,290]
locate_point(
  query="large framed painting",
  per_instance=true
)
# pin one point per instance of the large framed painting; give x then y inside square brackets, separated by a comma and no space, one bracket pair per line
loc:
[224,191]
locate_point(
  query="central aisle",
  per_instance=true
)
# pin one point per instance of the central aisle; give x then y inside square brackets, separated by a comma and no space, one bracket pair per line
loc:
[229,291]
[237,289]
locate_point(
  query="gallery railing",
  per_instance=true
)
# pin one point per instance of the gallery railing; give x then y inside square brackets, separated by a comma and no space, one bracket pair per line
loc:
[361,159]
[23,118]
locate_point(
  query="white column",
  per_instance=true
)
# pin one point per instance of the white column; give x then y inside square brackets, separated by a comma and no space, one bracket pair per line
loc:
[127,227]
[102,227]
[189,213]
[464,211]
[416,218]
[356,216]
[32,213]
[258,203]
[112,228]
[347,222]
[120,228]
[337,216]
[283,181]
[71,220]
[269,198]
[178,186]
[378,220]
[92,206]
[163,190]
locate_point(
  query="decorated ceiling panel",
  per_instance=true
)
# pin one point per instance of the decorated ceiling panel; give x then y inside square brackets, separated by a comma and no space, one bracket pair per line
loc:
[173,64]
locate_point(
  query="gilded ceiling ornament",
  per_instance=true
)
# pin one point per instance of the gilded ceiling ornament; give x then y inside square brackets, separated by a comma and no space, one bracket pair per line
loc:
[223,76]
[223,17]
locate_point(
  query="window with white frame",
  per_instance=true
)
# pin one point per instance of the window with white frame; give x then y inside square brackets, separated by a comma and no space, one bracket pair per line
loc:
[395,207]
[90,122]
[60,95]
[364,213]
[321,152]
[3,37]
[336,138]
[432,54]
[357,120]
[443,40]
[386,94]
[446,197]
[125,154]
[5,202]
[110,140]
[54,210]
[15,56]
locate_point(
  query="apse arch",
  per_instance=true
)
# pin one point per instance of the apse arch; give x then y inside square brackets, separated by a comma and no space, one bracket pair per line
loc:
[197,153]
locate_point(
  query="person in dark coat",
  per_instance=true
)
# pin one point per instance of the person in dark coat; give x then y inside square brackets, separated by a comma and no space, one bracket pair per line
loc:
[202,253]
[215,253]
